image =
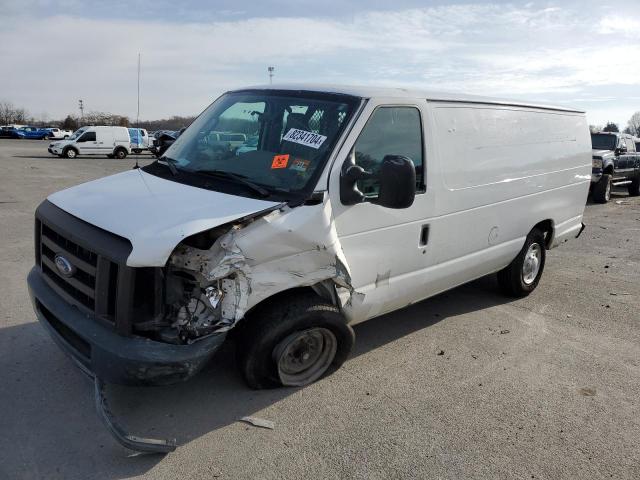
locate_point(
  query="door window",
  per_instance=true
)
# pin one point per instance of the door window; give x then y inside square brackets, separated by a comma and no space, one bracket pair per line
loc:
[389,131]
[88,137]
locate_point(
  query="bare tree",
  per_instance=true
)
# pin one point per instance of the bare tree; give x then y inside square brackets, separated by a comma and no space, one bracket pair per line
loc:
[634,124]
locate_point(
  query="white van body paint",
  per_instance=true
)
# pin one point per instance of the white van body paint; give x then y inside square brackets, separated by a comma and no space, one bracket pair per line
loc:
[152,213]
[494,169]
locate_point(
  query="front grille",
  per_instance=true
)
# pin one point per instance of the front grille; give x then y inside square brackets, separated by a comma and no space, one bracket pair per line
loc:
[102,285]
[83,288]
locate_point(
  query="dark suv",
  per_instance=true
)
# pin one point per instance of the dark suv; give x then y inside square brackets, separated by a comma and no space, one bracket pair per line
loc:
[615,163]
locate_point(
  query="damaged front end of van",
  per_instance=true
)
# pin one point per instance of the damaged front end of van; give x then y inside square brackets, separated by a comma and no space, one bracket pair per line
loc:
[161,325]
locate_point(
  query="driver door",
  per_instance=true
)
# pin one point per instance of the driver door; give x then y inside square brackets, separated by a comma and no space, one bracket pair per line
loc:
[87,144]
[386,249]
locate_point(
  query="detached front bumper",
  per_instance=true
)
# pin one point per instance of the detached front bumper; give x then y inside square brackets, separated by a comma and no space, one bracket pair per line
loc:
[99,351]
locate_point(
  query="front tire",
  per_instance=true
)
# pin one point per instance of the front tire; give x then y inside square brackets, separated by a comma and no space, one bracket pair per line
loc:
[293,342]
[522,275]
[602,189]
[70,153]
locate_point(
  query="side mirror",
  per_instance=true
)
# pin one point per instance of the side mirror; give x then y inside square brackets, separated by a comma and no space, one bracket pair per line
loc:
[397,180]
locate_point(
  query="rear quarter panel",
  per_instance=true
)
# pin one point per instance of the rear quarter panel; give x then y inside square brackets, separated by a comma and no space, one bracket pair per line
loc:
[499,170]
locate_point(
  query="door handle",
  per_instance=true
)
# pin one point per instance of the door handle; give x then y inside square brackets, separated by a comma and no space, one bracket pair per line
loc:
[424,235]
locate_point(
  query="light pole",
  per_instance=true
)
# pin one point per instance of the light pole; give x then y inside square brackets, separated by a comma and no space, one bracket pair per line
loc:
[81,107]
[271,70]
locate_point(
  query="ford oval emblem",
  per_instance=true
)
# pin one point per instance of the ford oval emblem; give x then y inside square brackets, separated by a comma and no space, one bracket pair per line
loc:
[64,266]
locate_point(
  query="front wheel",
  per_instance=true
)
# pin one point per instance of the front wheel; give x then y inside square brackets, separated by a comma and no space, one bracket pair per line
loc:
[293,342]
[522,275]
[602,189]
[70,153]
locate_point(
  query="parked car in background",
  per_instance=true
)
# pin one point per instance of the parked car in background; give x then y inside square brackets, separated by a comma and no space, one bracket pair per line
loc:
[615,162]
[113,142]
[7,132]
[58,133]
[163,140]
[140,140]
[228,141]
[636,140]
[33,133]
[249,146]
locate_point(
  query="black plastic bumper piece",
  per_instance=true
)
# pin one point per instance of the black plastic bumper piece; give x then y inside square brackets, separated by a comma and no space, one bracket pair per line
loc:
[132,442]
[101,352]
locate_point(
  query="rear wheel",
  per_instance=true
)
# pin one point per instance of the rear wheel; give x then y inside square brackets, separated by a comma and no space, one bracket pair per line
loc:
[522,275]
[120,153]
[602,189]
[293,342]
[634,187]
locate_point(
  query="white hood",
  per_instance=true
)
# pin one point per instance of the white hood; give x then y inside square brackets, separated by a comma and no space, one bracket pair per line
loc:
[152,213]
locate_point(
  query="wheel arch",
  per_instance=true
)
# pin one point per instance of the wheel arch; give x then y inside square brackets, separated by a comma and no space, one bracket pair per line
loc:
[548,229]
[70,147]
[325,289]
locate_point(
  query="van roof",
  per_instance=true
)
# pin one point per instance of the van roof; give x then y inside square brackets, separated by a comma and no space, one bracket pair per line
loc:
[390,92]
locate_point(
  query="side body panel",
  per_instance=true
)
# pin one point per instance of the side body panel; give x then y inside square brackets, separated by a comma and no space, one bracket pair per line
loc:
[492,173]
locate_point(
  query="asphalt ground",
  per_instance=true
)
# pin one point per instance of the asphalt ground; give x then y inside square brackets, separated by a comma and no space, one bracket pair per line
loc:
[468,384]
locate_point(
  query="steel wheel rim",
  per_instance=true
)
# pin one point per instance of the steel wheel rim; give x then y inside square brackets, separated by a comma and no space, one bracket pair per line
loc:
[304,356]
[531,264]
[71,154]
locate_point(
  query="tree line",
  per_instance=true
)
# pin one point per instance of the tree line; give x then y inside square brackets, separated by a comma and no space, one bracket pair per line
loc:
[11,115]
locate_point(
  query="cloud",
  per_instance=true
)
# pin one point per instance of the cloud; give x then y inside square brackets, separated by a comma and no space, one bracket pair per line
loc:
[546,52]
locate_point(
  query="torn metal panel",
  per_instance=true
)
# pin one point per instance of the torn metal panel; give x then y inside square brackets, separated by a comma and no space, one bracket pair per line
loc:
[284,249]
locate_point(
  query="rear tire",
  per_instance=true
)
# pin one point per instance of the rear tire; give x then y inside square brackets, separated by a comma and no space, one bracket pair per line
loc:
[602,189]
[634,187]
[120,153]
[522,275]
[293,342]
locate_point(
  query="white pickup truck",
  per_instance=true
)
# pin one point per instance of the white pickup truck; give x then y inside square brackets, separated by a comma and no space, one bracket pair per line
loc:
[58,133]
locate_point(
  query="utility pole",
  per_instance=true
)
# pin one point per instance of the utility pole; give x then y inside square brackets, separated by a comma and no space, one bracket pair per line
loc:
[81,107]
[271,70]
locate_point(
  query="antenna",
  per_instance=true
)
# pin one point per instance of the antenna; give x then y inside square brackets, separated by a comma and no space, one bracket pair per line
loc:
[138,136]
[271,70]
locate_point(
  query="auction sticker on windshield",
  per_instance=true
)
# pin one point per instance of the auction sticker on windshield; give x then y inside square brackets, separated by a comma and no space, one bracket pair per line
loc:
[308,139]
[280,161]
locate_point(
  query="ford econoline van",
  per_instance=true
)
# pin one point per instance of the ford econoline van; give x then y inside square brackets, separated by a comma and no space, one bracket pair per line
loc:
[354,203]
[113,142]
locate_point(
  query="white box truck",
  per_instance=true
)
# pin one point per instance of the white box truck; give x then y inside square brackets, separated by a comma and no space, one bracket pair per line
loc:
[354,203]
[113,142]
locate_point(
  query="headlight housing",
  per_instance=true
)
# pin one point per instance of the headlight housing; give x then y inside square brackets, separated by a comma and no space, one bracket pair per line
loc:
[597,163]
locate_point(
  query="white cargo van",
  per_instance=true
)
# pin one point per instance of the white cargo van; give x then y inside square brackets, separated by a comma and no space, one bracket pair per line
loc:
[354,203]
[113,142]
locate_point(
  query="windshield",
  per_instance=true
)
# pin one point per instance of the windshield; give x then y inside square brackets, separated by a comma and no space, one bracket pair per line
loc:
[601,141]
[290,135]
[77,133]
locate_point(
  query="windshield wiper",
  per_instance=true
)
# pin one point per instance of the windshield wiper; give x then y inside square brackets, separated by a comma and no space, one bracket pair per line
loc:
[169,163]
[238,178]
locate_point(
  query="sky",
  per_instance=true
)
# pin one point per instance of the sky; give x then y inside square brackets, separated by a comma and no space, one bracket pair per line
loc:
[584,54]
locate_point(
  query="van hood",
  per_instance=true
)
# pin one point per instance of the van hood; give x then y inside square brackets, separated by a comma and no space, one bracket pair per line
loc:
[600,153]
[154,214]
